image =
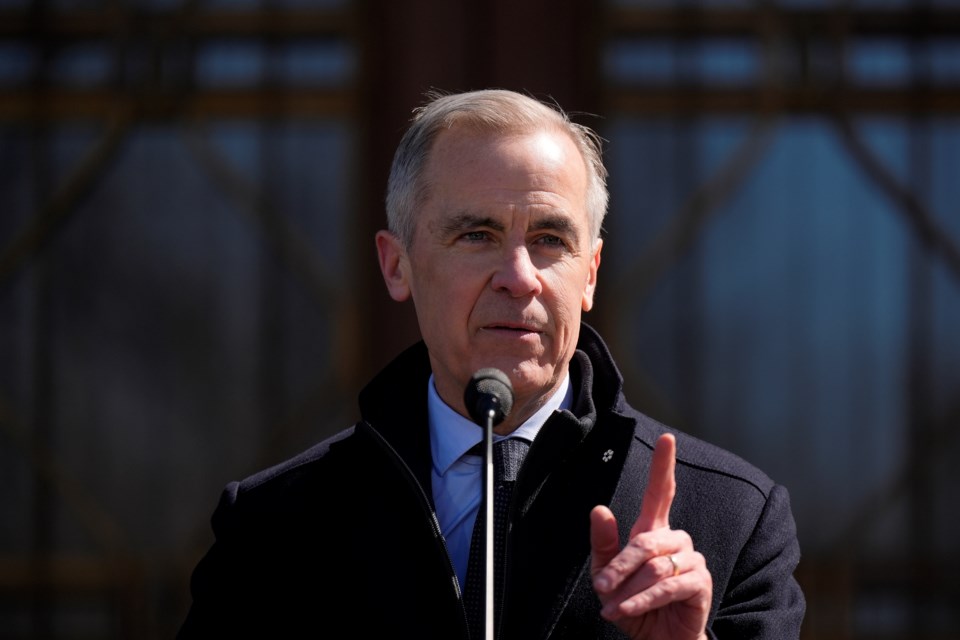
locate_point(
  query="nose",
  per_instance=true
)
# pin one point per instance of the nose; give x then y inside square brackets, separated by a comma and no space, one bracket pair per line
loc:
[516,274]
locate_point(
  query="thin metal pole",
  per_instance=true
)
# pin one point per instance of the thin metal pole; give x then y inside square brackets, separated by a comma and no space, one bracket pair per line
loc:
[488,527]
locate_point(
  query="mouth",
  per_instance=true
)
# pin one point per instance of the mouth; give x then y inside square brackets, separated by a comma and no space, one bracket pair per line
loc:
[510,327]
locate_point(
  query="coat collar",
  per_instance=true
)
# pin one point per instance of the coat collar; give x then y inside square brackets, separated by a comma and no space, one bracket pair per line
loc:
[394,402]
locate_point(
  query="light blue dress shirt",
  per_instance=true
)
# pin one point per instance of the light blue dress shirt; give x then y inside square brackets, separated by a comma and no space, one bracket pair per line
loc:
[457,476]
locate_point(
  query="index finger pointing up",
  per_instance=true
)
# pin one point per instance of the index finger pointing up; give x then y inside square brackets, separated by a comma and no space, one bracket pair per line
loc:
[661,487]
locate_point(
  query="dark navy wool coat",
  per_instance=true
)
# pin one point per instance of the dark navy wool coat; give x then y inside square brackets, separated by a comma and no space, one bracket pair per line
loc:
[342,540]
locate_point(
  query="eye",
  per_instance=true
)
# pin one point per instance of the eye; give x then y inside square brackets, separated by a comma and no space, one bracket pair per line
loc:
[474,236]
[551,241]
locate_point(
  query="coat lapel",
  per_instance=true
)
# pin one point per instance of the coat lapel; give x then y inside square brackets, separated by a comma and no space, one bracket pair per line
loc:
[572,466]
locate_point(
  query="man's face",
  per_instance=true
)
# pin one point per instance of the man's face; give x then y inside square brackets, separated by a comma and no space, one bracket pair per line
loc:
[502,263]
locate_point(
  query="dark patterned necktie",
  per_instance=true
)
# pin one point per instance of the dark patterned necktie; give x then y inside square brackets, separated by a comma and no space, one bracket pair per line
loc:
[507,457]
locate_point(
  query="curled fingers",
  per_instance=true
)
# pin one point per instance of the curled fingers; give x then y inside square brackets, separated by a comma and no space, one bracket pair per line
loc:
[643,560]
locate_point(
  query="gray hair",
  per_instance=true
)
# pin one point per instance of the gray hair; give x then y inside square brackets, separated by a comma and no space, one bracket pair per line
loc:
[490,110]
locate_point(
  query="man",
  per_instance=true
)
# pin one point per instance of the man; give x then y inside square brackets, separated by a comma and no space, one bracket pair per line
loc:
[619,527]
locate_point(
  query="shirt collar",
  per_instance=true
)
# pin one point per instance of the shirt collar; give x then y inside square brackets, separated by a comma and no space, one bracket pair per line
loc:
[452,435]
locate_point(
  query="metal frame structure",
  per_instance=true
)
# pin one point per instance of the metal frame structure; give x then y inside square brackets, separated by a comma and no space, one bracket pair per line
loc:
[481,44]
[836,580]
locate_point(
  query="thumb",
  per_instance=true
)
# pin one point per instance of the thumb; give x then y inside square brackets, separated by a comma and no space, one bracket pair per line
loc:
[604,538]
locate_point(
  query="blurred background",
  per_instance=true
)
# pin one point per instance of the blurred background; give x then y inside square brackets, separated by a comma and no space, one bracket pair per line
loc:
[189,289]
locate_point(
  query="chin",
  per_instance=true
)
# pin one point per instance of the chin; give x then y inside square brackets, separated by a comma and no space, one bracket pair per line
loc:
[525,376]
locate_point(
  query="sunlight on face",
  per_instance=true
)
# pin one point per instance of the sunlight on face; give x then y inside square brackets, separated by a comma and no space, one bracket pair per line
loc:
[502,263]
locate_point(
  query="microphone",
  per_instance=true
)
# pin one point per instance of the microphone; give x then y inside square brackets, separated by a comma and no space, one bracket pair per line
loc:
[489,390]
[488,398]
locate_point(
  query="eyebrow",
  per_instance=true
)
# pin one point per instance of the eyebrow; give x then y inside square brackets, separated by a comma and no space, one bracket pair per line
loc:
[466,220]
[561,224]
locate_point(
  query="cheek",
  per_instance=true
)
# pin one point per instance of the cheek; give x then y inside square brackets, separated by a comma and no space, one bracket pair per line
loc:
[567,290]
[446,298]
[429,279]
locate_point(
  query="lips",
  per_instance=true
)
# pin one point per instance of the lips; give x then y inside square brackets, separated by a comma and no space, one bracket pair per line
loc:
[513,326]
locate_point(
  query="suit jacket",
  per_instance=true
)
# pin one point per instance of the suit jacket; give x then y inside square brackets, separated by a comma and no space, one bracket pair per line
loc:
[342,540]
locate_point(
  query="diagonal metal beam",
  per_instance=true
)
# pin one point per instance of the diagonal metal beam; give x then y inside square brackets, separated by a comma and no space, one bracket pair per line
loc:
[37,231]
[931,233]
[289,243]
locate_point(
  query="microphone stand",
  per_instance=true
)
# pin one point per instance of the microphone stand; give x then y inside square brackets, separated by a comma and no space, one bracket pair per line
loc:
[488,526]
[488,399]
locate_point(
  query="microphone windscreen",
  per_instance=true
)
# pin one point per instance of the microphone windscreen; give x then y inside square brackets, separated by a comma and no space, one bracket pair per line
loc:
[488,389]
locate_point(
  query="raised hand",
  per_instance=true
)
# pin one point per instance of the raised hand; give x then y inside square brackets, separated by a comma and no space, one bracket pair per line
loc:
[657,586]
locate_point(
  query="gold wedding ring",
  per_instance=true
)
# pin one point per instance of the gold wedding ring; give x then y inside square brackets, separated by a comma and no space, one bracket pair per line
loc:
[676,565]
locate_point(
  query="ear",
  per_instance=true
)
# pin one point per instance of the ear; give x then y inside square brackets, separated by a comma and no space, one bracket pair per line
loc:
[591,287]
[394,265]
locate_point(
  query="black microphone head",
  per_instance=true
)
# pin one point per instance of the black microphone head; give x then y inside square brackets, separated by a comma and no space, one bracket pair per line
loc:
[488,389]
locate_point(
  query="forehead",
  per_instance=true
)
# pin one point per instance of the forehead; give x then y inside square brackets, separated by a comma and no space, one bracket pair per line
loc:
[469,168]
